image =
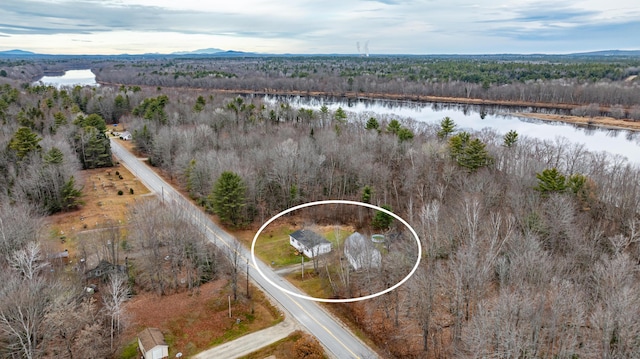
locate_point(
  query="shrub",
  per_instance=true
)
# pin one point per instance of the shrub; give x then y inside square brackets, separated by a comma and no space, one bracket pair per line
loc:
[130,190]
[120,193]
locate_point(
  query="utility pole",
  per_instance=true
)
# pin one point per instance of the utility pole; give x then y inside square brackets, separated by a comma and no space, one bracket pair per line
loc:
[248,294]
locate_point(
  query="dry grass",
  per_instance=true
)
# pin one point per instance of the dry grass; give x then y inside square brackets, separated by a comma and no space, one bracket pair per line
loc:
[601,121]
[193,322]
[102,205]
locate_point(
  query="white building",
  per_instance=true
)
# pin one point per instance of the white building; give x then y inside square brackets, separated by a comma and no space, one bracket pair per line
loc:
[126,136]
[152,345]
[361,253]
[309,243]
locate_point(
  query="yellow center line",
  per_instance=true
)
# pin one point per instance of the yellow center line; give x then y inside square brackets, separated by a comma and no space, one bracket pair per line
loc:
[295,301]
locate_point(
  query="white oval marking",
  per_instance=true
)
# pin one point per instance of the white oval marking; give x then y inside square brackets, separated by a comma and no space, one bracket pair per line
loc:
[336,201]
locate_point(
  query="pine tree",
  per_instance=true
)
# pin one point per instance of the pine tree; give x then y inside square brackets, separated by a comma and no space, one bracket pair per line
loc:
[405,134]
[550,180]
[394,127]
[340,115]
[227,199]
[510,139]
[70,195]
[447,126]
[54,156]
[24,141]
[469,153]
[381,220]
[372,124]
[367,193]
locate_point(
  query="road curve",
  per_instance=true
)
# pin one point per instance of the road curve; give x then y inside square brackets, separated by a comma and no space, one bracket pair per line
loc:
[336,339]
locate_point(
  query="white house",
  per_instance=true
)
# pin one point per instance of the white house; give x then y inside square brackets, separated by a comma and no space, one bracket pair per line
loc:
[361,253]
[126,136]
[152,345]
[309,243]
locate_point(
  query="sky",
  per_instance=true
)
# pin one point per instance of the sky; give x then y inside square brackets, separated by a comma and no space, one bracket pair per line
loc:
[319,26]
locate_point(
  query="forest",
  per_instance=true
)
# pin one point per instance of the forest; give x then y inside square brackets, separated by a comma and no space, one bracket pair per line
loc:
[530,246]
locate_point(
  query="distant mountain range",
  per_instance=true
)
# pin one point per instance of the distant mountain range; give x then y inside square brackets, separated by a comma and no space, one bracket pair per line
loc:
[208,51]
[17,53]
[215,52]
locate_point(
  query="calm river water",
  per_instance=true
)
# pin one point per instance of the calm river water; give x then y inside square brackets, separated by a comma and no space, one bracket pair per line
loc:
[70,78]
[472,118]
[476,118]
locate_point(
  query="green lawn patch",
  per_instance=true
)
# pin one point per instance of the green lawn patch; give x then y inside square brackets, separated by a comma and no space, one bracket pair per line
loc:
[273,247]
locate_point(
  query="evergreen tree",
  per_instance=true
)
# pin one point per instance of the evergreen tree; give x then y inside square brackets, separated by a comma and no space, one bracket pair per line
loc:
[153,109]
[200,103]
[381,220]
[70,196]
[24,141]
[94,148]
[120,106]
[227,199]
[340,115]
[447,127]
[367,193]
[54,156]
[93,120]
[405,134]
[372,124]
[469,153]
[394,127]
[550,180]
[510,138]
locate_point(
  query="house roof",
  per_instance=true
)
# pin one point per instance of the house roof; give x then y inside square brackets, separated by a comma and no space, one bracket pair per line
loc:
[357,242]
[308,238]
[361,250]
[150,338]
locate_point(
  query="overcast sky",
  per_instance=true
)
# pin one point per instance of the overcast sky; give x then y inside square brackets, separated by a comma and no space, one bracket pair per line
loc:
[319,26]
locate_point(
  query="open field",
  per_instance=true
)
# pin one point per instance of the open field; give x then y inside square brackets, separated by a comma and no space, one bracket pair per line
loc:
[103,207]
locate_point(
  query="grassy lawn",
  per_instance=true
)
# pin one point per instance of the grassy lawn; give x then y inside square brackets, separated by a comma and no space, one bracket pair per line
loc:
[273,247]
[335,236]
[313,284]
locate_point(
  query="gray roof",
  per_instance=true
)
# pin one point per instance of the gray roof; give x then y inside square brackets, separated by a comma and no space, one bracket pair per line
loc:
[150,338]
[308,238]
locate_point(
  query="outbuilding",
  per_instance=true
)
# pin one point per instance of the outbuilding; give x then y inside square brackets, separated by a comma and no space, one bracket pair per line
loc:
[309,243]
[361,252]
[152,345]
[126,136]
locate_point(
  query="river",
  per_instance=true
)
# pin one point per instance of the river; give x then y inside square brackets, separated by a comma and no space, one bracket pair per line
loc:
[70,78]
[467,117]
[476,118]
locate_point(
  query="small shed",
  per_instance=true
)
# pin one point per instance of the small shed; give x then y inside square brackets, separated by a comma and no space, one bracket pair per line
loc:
[309,243]
[125,136]
[152,345]
[361,253]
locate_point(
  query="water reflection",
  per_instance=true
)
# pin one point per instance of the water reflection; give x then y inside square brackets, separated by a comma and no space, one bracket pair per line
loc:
[70,78]
[479,117]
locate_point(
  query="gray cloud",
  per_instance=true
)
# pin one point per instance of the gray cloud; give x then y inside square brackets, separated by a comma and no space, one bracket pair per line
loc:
[81,17]
[391,26]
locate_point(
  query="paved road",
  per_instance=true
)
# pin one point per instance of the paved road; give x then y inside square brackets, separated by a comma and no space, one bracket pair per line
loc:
[249,343]
[337,340]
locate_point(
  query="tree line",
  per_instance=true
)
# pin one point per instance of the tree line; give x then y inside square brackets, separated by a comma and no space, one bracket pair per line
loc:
[573,82]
